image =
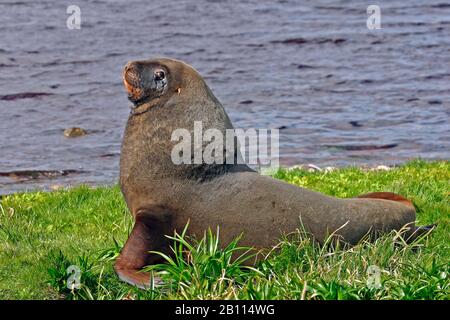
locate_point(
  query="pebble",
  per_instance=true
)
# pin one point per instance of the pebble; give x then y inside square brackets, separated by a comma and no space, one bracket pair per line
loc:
[74,132]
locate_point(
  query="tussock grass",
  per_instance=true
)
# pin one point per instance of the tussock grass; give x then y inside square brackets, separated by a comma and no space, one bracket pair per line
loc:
[42,234]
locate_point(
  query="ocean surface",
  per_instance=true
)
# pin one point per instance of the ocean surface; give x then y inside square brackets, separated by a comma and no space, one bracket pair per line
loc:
[340,94]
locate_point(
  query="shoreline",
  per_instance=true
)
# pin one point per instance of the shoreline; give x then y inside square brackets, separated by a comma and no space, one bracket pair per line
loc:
[45,177]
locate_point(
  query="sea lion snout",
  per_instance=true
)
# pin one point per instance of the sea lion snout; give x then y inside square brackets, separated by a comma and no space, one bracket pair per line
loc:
[132,81]
[131,75]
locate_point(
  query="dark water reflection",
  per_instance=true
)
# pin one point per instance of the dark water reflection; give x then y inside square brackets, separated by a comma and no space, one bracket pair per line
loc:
[313,69]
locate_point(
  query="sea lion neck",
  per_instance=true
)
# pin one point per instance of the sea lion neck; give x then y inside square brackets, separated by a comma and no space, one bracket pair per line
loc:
[148,140]
[143,107]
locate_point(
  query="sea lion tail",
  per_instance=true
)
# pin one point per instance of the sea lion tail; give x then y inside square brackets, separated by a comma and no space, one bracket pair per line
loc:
[388,196]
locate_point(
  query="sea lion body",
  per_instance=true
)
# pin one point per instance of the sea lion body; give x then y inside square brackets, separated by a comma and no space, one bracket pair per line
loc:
[263,208]
[163,196]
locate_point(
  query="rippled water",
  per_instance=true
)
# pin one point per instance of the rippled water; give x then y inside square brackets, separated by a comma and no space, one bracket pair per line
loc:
[312,69]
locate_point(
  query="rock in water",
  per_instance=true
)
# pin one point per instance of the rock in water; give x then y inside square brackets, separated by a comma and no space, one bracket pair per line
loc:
[74,132]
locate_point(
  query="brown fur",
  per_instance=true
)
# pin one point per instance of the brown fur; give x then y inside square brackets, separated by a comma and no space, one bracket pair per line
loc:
[387,196]
[163,196]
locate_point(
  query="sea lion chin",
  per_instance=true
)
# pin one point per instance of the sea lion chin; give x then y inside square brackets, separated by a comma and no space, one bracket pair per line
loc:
[163,196]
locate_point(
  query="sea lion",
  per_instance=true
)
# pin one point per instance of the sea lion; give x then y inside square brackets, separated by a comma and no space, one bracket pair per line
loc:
[162,196]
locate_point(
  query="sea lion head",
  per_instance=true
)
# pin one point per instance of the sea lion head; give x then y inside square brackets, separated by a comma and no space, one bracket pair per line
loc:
[145,80]
[158,79]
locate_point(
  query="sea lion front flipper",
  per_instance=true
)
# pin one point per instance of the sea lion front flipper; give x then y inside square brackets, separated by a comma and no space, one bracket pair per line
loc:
[148,234]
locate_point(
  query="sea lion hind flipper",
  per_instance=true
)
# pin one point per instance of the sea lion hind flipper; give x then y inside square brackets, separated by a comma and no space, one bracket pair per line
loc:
[420,232]
[148,234]
[388,196]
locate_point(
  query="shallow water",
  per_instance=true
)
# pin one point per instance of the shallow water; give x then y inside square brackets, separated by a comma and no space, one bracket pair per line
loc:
[315,70]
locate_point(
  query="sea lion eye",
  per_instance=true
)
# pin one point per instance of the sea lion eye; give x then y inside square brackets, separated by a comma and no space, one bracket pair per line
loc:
[159,75]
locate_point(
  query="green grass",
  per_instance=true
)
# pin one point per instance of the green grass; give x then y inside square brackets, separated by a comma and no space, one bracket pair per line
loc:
[42,234]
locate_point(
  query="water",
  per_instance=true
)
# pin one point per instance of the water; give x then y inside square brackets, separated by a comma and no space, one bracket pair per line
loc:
[313,69]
